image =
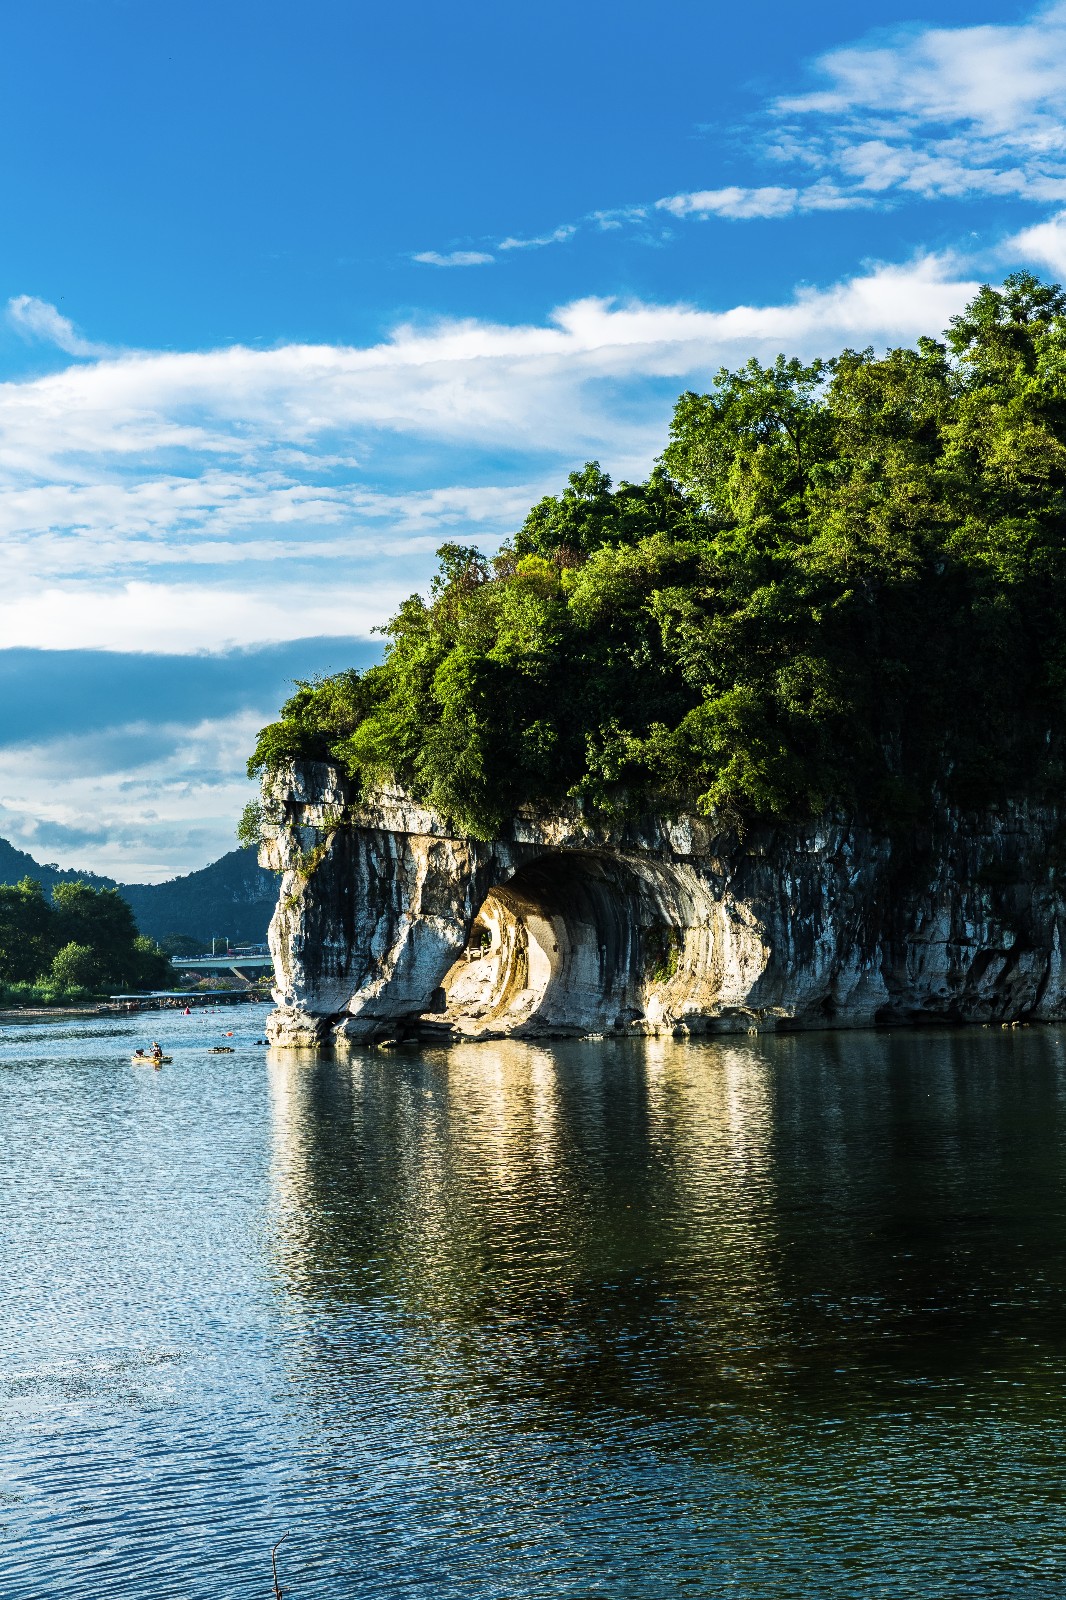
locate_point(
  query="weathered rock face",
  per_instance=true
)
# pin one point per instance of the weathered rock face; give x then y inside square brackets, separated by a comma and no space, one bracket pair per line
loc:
[389,923]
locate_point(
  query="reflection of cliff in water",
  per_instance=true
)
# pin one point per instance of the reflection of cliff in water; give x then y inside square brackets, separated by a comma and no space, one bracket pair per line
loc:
[706,1230]
[530,1207]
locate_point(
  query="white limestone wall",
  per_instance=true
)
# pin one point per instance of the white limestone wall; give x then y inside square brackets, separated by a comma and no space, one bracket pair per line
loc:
[658,926]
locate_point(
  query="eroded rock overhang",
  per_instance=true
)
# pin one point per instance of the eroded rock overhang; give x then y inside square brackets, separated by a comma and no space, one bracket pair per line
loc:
[390,923]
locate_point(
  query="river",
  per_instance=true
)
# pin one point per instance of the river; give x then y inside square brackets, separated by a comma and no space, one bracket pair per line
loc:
[768,1318]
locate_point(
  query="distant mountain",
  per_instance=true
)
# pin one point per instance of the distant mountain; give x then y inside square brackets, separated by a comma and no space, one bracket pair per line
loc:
[16,864]
[233,898]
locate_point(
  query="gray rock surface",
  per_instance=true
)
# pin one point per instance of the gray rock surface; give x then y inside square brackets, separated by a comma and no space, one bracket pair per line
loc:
[389,922]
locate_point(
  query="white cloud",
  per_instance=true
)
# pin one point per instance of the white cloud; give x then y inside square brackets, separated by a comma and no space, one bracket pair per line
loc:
[915,114]
[1003,80]
[37,319]
[731,202]
[771,201]
[225,518]
[1045,243]
[180,617]
[939,112]
[454,258]
[455,380]
[138,802]
[557,236]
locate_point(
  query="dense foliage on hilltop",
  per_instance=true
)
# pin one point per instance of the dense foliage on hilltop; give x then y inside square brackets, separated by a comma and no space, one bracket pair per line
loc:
[844,583]
[83,939]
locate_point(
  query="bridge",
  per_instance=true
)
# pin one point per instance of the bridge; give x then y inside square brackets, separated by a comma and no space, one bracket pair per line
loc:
[240,965]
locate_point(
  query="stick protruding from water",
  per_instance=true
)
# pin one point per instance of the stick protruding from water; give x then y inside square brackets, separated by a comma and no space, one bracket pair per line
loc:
[274,1565]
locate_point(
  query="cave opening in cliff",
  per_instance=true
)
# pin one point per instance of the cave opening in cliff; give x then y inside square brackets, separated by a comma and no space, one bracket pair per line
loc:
[556,946]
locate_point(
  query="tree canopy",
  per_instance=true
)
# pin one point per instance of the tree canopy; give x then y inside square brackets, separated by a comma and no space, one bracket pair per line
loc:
[83,938]
[843,584]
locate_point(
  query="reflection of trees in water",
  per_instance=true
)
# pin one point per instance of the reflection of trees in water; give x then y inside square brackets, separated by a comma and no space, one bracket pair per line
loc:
[721,1230]
[921,1201]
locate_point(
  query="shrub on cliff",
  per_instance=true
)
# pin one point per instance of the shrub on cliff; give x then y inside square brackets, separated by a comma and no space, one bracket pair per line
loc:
[844,583]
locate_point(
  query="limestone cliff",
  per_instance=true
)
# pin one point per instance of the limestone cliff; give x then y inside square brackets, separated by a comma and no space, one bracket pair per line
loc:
[390,923]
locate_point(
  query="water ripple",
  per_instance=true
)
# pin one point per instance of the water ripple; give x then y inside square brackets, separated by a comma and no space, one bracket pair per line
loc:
[646,1319]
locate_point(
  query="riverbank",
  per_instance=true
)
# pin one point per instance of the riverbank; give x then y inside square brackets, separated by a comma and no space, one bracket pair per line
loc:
[125,1008]
[55,1013]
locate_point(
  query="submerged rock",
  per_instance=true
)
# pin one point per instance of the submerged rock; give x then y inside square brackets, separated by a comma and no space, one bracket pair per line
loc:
[390,924]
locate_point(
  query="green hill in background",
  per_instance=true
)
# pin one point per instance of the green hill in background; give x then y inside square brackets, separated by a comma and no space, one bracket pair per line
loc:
[17,864]
[232,898]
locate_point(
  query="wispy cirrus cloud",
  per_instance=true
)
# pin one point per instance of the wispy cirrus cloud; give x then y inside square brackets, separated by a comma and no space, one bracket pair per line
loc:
[39,320]
[538,241]
[1004,80]
[915,114]
[455,258]
[935,113]
[483,258]
[769,201]
[731,202]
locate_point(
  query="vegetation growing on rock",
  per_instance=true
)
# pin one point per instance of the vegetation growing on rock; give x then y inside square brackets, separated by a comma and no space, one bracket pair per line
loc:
[843,584]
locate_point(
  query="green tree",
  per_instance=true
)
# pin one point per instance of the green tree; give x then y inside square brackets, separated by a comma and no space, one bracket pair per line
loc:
[27,934]
[250,826]
[182,944]
[101,920]
[750,446]
[148,967]
[567,528]
[76,966]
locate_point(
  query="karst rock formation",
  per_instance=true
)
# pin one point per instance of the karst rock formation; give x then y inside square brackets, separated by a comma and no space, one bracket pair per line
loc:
[391,924]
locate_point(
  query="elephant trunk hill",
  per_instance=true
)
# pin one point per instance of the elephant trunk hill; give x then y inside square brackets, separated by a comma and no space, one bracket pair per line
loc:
[778,732]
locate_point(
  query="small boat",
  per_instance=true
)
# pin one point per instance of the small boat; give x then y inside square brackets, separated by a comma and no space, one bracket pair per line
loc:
[221,1050]
[144,1058]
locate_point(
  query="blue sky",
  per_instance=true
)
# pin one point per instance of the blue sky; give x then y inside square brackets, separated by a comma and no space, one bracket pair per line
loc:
[293,294]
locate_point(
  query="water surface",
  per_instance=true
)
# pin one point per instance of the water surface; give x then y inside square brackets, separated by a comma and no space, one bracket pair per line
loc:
[757,1318]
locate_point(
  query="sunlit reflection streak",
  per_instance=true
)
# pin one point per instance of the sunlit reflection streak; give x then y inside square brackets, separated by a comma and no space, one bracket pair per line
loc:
[499,1200]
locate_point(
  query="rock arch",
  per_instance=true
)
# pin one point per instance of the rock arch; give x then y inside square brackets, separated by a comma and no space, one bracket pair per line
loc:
[567,949]
[585,932]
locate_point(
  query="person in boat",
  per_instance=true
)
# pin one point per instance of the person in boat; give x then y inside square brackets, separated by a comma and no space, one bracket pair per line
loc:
[157,1048]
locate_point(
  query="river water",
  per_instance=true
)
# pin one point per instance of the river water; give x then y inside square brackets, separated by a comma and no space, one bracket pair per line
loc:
[768,1317]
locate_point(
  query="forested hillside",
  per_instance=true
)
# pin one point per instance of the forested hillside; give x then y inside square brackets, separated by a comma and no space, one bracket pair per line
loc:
[17,864]
[843,584]
[232,898]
